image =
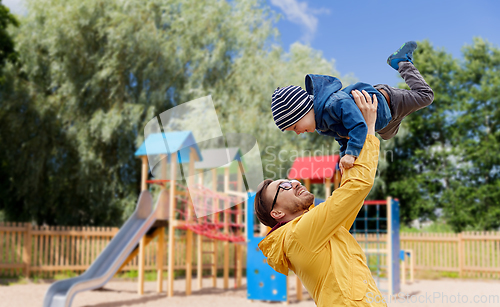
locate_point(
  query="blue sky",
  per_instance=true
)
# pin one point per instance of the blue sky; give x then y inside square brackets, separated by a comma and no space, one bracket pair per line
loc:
[361,34]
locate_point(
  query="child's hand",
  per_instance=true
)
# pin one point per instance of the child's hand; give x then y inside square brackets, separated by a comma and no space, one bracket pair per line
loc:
[346,162]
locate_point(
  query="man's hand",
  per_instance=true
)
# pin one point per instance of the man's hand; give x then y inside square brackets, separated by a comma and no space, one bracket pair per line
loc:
[367,107]
[346,162]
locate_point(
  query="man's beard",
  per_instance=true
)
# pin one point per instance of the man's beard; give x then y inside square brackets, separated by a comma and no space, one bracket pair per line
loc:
[304,203]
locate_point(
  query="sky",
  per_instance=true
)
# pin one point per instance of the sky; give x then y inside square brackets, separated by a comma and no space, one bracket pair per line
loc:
[359,35]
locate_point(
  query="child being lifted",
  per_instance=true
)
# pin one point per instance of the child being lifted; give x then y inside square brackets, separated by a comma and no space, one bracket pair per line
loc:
[325,108]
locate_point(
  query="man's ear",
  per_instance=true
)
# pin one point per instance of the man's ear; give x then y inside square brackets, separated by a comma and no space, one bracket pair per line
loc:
[277,214]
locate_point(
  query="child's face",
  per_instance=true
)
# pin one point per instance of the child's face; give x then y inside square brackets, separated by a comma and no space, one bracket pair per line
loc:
[305,124]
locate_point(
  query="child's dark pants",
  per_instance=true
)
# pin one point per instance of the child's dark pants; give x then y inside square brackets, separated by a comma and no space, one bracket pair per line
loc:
[405,102]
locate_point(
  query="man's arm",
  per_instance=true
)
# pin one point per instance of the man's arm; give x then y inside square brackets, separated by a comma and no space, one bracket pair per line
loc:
[370,118]
[317,226]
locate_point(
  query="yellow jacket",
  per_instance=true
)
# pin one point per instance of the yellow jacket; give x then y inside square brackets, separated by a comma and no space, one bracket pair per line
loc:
[318,247]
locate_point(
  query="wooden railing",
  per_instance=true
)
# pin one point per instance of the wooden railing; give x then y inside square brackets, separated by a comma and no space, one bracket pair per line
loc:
[471,254]
[45,251]
[467,254]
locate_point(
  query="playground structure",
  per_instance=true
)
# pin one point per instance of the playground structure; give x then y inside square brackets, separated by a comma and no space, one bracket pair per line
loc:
[225,224]
[174,209]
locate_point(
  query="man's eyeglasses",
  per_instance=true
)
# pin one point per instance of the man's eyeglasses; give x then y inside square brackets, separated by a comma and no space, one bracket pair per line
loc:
[285,185]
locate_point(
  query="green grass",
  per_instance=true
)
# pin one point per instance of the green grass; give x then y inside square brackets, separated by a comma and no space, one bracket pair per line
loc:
[65,275]
[13,280]
[148,275]
[434,275]
[179,274]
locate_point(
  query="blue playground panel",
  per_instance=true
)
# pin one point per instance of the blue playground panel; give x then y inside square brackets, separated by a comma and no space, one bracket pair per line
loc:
[263,282]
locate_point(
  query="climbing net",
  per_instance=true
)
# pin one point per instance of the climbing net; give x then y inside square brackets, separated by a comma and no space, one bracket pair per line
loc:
[221,214]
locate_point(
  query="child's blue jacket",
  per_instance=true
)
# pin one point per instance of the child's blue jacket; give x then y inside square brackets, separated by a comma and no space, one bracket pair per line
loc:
[337,114]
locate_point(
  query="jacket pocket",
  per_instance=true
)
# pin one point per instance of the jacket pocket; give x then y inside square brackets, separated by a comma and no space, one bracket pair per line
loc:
[357,279]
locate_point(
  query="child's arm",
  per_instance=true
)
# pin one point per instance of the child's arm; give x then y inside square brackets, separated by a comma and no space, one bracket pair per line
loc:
[353,121]
[343,145]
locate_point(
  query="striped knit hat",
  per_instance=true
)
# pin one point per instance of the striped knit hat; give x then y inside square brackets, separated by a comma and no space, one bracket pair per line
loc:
[289,104]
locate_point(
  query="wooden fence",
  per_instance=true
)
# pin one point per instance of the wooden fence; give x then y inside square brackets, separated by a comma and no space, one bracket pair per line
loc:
[470,254]
[45,251]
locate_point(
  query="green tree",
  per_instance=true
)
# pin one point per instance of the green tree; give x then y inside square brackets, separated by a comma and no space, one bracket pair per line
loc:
[473,199]
[448,160]
[7,50]
[95,72]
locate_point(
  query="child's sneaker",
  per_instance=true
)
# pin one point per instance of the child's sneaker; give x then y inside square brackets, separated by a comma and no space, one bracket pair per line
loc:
[403,54]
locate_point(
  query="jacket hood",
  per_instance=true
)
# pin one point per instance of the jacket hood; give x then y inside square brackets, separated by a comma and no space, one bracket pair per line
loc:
[321,87]
[273,248]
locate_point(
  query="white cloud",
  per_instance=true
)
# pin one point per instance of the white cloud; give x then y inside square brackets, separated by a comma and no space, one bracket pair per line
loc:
[301,14]
[15,6]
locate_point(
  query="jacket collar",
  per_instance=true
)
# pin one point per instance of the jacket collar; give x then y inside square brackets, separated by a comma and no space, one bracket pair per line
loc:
[283,223]
[277,226]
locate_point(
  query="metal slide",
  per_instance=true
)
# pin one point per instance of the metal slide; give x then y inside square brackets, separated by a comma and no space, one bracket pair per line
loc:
[61,293]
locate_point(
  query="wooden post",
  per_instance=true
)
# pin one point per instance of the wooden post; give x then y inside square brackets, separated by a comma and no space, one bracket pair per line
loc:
[226,179]
[412,266]
[144,173]
[214,264]
[200,246]
[299,289]
[239,220]
[214,180]
[171,227]
[189,232]
[226,230]
[144,186]
[461,252]
[328,187]
[189,260]
[216,220]
[244,204]
[287,290]
[159,260]
[27,250]
[226,248]
[200,261]
[142,258]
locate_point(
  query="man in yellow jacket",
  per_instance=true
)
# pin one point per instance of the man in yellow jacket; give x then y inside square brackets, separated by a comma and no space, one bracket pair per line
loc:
[314,242]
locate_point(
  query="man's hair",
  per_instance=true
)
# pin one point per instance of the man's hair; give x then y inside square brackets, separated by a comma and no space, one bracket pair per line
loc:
[262,208]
